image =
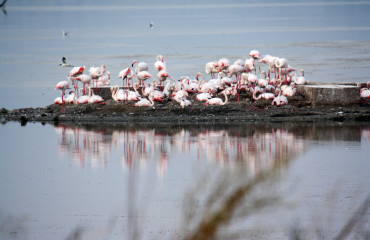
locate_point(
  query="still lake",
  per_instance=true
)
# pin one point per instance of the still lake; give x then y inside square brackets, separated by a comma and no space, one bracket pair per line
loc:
[113,182]
[107,181]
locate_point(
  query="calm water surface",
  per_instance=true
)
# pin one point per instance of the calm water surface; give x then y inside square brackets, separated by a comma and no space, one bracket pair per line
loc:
[107,181]
[329,39]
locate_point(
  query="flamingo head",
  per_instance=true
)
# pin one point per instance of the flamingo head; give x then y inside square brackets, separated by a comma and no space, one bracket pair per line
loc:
[197,76]
[254,54]
[133,63]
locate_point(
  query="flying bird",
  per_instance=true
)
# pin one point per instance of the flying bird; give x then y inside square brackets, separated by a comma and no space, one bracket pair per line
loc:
[64,63]
[151,25]
[2,6]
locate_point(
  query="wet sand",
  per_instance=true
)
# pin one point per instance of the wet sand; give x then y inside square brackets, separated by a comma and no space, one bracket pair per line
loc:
[298,110]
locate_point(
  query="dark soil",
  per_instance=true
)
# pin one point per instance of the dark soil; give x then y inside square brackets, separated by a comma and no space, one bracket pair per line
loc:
[170,112]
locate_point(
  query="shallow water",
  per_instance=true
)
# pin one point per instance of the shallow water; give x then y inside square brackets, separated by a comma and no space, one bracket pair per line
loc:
[329,39]
[107,181]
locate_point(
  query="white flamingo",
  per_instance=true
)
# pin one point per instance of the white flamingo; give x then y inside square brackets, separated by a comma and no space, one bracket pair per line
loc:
[160,64]
[96,72]
[85,79]
[279,100]
[299,80]
[140,66]
[217,101]
[75,72]
[212,68]
[145,102]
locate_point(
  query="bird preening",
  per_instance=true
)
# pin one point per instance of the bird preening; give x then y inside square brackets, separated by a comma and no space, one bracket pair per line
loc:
[228,83]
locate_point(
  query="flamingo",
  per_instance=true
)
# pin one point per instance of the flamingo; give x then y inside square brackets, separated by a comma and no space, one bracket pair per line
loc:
[249,65]
[83,99]
[255,55]
[145,102]
[124,74]
[71,98]
[160,64]
[113,90]
[299,80]
[237,70]
[166,89]
[239,62]
[269,60]
[96,72]
[212,68]
[201,97]
[281,63]
[118,94]
[365,92]
[223,64]
[185,103]
[290,90]
[280,99]
[262,82]
[206,87]
[104,80]
[75,72]
[140,66]
[267,95]
[58,101]
[64,63]
[62,85]
[85,79]
[95,98]
[162,76]
[143,76]
[217,101]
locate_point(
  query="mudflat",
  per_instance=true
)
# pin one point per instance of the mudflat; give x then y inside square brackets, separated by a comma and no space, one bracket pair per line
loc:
[297,110]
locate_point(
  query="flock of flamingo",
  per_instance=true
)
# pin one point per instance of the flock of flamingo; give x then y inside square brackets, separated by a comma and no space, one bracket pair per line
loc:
[276,83]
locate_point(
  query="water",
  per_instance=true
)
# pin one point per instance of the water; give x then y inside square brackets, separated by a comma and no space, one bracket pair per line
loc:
[329,39]
[106,180]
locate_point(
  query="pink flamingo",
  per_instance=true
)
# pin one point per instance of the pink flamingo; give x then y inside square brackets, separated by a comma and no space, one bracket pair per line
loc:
[143,76]
[63,85]
[202,97]
[140,66]
[249,65]
[255,55]
[96,72]
[85,79]
[185,103]
[365,92]
[217,101]
[104,80]
[280,99]
[236,70]
[75,72]
[212,68]
[299,80]
[162,76]
[124,74]
[145,102]
[95,98]
[160,64]
[223,64]
[71,98]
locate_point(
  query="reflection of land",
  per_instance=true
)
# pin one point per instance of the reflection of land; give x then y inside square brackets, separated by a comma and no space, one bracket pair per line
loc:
[254,145]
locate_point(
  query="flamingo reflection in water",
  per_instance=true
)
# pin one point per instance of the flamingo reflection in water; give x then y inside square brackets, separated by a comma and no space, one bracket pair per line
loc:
[256,147]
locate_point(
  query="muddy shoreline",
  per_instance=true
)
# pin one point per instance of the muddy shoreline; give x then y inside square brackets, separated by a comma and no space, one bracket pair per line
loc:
[170,112]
